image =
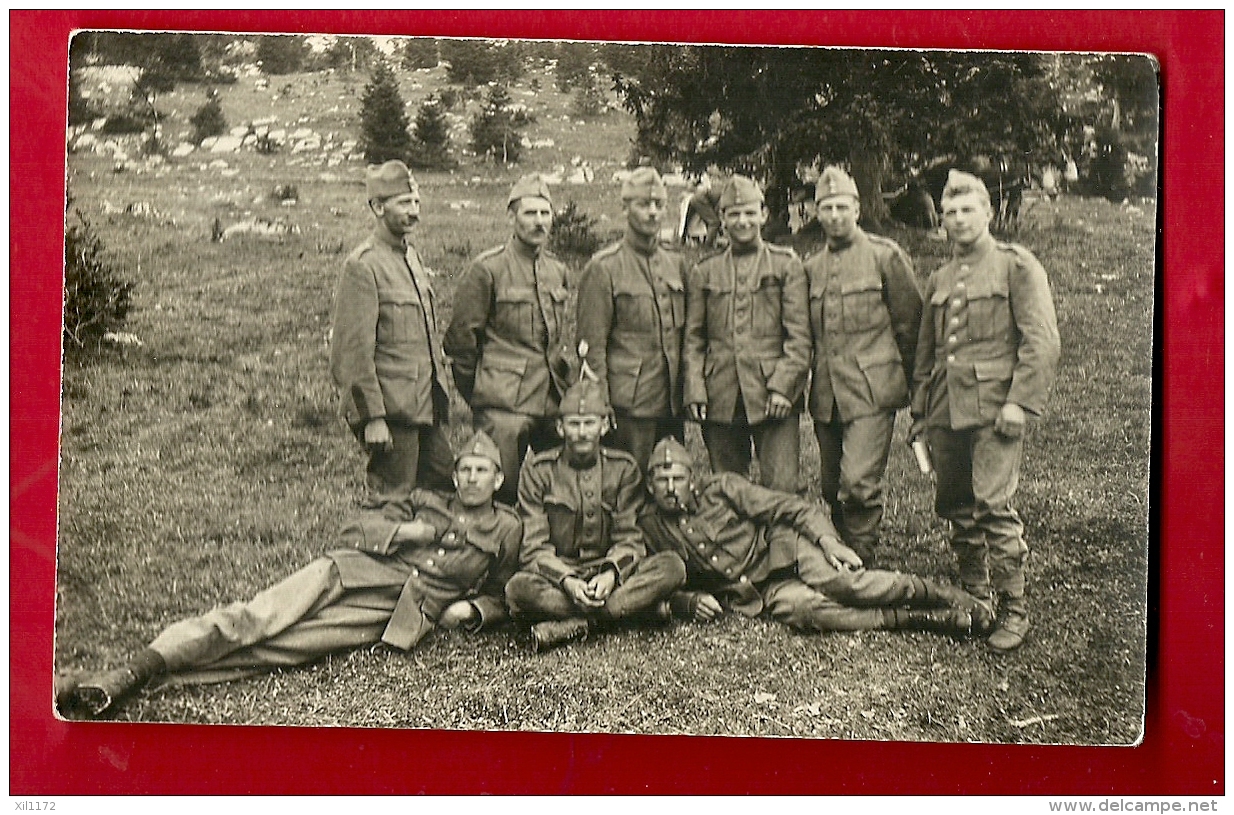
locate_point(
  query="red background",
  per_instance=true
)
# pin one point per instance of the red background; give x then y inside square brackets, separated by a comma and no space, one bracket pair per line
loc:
[1183,749]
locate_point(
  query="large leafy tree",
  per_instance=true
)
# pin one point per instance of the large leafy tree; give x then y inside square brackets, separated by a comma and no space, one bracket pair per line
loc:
[767,111]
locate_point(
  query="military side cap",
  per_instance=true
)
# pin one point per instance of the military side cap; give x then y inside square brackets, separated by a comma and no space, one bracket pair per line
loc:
[480,445]
[388,180]
[740,190]
[531,185]
[667,452]
[961,183]
[644,182]
[834,181]
[585,398]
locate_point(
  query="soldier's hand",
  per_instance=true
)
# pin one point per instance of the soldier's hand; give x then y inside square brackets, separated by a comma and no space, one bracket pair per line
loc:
[917,429]
[840,556]
[459,614]
[707,608]
[1010,421]
[377,434]
[415,531]
[778,407]
[698,411]
[576,589]
[601,586]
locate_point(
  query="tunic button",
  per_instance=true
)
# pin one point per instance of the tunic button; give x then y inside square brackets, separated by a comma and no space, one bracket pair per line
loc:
[588,493]
[715,558]
[743,579]
[952,339]
[951,357]
[728,571]
[955,320]
[428,562]
[415,572]
[702,547]
[957,302]
[449,537]
[963,268]
[441,553]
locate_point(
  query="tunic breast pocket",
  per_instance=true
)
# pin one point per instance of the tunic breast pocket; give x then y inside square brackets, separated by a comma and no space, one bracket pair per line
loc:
[818,305]
[989,307]
[718,305]
[862,302]
[938,307]
[399,319]
[766,305]
[562,516]
[633,311]
[676,297]
[513,312]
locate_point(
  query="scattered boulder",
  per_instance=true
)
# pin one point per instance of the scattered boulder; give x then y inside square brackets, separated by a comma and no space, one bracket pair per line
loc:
[226,144]
[262,229]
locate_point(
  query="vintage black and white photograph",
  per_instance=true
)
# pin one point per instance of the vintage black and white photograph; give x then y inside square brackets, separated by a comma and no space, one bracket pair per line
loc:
[531,385]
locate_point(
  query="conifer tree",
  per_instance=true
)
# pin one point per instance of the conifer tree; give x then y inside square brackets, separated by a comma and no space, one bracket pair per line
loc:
[383,118]
[430,144]
[496,130]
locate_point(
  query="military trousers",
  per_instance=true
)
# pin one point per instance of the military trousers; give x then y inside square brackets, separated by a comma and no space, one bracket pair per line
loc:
[777,443]
[853,461]
[820,597]
[299,619]
[533,597]
[420,456]
[978,471]
[638,435]
[514,433]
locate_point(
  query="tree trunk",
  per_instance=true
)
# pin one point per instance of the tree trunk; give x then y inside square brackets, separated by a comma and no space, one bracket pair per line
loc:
[868,171]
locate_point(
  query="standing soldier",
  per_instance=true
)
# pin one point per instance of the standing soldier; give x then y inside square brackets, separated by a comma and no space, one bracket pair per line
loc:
[986,357]
[631,313]
[505,338]
[385,354]
[747,345]
[584,564]
[865,311]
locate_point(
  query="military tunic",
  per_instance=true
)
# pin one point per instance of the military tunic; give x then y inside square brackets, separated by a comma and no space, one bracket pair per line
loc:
[756,549]
[387,363]
[865,313]
[371,589]
[507,349]
[988,336]
[578,522]
[632,313]
[748,335]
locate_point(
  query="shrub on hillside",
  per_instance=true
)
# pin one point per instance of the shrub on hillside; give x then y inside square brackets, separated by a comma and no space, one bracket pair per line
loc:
[476,62]
[497,129]
[420,52]
[383,118]
[96,298]
[574,238]
[281,53]
[430,142]
[588,101]
[208,120]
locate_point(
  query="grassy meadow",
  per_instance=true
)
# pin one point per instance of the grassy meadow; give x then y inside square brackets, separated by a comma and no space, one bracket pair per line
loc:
[209,461]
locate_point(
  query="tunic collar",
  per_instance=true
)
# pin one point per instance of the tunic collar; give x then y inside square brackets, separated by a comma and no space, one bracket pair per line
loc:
[975,251]
[643,246]
[528,253]
[385,236]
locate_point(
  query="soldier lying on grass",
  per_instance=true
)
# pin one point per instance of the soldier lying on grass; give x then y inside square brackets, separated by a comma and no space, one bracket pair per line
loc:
[430,559]
[752,549]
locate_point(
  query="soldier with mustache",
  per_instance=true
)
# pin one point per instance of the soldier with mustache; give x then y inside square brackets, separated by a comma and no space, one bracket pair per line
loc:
[385,351]
[505,339]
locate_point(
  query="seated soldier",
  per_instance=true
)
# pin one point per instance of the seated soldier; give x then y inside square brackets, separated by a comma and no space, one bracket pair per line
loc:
[584,564]
[402,569]
[753,549]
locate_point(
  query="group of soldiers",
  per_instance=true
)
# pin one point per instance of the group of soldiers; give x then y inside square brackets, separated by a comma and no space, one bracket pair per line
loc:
[576,507]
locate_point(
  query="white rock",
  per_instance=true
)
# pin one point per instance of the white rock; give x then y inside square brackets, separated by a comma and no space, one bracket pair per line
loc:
[218,164]
[229,173]
[239,130]
[278,136]
[182,149]
[302,133]
[249,140]
[208,142]
[227,144]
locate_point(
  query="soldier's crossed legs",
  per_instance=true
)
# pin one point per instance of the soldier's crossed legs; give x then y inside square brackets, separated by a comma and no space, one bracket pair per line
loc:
[532,597]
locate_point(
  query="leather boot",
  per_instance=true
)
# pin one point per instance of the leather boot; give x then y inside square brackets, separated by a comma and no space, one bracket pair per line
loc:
[1012,626]
[552,633]
[953,621]
[944,595]
[97,693]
